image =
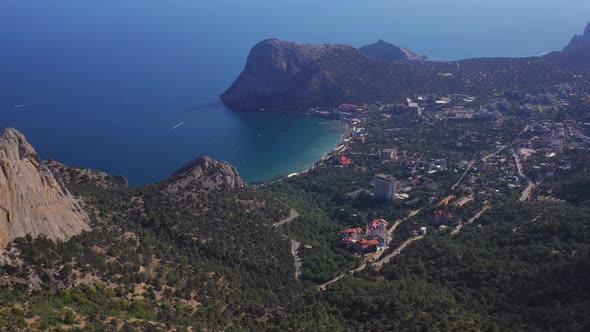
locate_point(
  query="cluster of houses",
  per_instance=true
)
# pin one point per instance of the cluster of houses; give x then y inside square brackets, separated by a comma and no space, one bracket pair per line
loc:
[344,111]
[463,113]
[369,240]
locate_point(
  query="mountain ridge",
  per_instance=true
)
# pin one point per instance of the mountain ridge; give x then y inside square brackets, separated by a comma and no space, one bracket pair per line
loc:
[283,76]
[382,50]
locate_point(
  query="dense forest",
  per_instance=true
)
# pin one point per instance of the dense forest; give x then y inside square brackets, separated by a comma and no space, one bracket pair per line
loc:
[523,266]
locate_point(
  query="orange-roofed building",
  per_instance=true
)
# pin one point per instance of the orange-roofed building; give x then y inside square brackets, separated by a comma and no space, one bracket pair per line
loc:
[447,200]
[442,217]
[353,233]
[349,240]
[365,246]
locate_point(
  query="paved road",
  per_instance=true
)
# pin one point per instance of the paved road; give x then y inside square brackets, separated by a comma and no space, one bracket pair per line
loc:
[527,192]
[296,258]
[396,252]
[473,162]
[293,214]
[474,218]
[462,176]
[378,254]
[518,165]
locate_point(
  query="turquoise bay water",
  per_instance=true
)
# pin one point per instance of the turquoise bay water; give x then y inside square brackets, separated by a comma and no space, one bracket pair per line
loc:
[104,82]
[142,143]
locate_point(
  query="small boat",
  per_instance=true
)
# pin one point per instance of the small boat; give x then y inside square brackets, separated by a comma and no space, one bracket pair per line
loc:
[21,105]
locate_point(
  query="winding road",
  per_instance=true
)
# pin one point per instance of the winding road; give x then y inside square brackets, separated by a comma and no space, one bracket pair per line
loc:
[293,214]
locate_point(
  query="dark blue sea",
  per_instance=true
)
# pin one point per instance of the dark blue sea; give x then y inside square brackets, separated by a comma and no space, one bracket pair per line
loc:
[102,84]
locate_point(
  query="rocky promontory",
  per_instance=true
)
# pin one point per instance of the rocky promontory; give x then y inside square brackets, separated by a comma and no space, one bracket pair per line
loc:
[286,76]
[278,72]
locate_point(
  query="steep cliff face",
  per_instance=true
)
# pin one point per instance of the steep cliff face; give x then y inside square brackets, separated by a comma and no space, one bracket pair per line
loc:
[278,72]
[576,55]
[32,200]
[207,174]
[382,50]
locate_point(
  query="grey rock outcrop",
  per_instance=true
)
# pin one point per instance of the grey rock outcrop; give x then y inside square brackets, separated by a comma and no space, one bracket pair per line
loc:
[32,200]
[205,173]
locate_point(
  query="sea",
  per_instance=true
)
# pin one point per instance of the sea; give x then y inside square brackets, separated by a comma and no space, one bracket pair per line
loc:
[131,87]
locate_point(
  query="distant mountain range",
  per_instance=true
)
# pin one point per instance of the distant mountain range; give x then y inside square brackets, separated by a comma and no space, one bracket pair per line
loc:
[285,75]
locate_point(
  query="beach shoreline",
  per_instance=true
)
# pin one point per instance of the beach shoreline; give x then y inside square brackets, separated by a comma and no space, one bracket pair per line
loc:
[345,138]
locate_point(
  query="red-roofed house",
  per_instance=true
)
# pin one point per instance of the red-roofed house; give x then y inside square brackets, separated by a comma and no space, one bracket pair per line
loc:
[442,217]
[352,233]
[350,108]
[372,242]
[344,160]
[364,246]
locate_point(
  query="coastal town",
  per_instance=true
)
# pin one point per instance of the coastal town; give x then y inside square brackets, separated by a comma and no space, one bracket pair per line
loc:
[438,162]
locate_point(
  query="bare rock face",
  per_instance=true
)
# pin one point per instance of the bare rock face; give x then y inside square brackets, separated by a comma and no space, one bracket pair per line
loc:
[32,200]
[206,174]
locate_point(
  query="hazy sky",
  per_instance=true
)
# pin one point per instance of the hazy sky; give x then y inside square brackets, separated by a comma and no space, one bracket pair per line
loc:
[439,28]
[213,37]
